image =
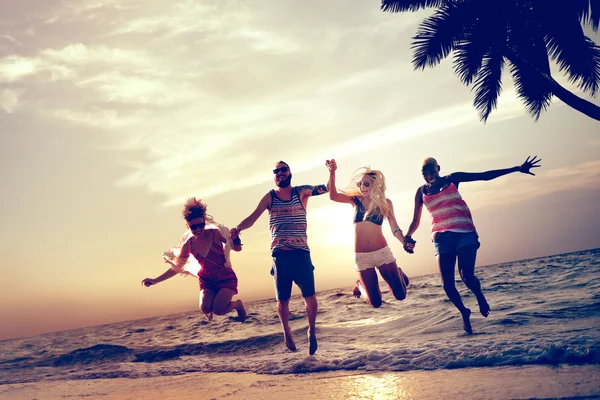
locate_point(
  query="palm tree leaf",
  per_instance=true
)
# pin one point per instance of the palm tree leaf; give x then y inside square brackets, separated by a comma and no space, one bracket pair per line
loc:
[488,84]
[477,39]
[437,36]
[575,54]
[531,87]
[588,12]
[395,6]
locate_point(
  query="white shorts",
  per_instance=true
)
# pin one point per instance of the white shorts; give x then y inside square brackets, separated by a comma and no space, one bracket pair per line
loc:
[373,259]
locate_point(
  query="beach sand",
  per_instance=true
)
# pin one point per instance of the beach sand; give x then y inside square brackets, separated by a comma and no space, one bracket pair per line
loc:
[468,383]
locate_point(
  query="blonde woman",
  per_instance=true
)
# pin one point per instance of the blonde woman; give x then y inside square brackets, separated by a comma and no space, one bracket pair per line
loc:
[366,194]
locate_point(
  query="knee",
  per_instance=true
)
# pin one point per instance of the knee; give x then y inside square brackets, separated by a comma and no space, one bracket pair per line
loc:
[449,287]
[470,279]
[375,303]
[400,294]
[206,308]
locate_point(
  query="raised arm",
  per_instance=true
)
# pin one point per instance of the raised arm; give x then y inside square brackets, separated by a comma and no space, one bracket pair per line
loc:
[524,168]
[308,190]
[333,193]
[251,219]
[396,231]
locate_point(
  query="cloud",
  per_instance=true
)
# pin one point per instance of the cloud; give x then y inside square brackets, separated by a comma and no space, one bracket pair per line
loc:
[10,99]
[79,54]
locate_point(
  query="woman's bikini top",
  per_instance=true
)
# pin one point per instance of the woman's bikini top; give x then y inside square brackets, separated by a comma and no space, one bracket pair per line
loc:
[359,213]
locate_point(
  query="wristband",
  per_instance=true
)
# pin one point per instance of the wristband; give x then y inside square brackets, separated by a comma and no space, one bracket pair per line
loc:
[397,230]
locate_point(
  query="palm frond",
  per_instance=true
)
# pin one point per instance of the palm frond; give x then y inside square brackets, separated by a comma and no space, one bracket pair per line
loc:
[488,85]
[396,6]
[531,88]
[575,54]
[478,37]
[588,12]
[437,36]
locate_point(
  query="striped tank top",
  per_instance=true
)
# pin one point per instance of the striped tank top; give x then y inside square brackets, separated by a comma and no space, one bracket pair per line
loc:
[449,211]
[287,221]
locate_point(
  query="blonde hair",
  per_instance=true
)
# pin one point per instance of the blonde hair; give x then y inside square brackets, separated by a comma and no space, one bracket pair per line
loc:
[379,204]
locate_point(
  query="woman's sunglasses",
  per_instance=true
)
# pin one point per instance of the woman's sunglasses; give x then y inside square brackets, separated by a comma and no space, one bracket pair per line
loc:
[282,169]
[363,183]
[201,225]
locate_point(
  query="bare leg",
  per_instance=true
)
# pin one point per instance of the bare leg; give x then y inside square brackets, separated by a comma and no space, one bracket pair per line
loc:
[392,274]
[312,307]
[446,263]
[283,310]
[466,268]
[206,303]
[223,304]
[369,286]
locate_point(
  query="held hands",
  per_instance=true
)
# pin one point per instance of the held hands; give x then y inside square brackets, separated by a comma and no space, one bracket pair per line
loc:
[528,164]
[409,244]
[234,233]
[331,165]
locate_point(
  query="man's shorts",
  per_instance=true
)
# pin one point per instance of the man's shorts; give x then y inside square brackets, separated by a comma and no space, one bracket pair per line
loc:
[292,266]
[449,242]
[373,259]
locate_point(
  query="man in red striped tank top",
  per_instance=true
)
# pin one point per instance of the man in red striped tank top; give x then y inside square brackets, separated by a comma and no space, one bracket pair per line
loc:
[452,228]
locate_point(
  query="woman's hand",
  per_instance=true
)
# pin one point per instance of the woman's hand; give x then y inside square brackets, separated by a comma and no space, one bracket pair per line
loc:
[148,282]
[331,165]
[409,244]
[528,164]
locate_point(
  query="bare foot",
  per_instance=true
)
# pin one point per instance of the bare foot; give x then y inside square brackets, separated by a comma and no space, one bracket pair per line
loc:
[484,307]
[356,291]
[466,314]
[289,342]
[241,311]
[312,340]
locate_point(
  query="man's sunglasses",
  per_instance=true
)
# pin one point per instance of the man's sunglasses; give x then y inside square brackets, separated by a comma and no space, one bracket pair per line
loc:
[282,169]
[197,226]
[363,183]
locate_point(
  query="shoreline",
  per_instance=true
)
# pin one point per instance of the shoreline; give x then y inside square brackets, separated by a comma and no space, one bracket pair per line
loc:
[531,381]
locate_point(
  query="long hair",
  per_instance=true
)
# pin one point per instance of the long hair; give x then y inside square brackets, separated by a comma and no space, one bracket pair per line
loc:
[379,204]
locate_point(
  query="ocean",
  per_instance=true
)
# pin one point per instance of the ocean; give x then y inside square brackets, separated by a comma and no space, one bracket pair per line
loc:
[545,311]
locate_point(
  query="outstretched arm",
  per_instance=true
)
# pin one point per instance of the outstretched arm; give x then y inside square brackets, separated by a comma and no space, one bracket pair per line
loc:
[524,168]
[333,193]
[396,231]
[251,219]
[171,272]
[165,275]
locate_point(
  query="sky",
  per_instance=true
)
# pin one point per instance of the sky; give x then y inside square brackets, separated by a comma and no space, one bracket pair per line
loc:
[112,112]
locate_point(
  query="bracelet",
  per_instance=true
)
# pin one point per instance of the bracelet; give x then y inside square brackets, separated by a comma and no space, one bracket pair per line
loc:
[394,233]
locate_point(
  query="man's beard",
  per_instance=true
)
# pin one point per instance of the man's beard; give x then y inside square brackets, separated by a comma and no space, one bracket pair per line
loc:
[285,183]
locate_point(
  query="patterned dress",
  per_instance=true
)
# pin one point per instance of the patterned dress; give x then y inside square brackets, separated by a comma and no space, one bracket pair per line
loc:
[213,274]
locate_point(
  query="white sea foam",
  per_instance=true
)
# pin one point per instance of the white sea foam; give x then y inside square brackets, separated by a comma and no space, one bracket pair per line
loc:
[544,311]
